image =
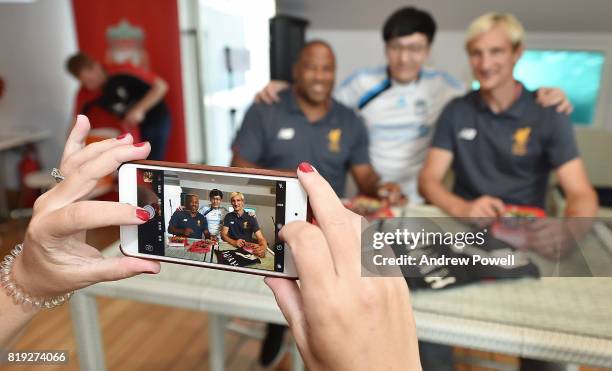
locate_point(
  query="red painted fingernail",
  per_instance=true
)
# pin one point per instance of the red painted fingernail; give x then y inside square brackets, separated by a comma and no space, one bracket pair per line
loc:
[140,144]
[121,136]
[305,167]
[142,214]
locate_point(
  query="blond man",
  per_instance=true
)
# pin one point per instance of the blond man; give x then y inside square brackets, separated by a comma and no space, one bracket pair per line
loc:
[502,145]
[239,227]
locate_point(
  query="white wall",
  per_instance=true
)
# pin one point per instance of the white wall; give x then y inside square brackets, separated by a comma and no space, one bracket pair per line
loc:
[363,48]
[192,81]
[239,24]
[264,218]
[35,40]
[539,15]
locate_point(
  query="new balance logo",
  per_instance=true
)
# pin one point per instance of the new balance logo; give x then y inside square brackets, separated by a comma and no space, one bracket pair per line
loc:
[467,133]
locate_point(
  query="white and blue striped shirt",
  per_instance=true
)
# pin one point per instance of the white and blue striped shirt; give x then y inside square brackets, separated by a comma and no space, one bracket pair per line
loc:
[214,218]
[399,118]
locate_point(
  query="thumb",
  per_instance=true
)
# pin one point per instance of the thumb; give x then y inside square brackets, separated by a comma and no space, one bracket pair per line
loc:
[287,295]
[116,268]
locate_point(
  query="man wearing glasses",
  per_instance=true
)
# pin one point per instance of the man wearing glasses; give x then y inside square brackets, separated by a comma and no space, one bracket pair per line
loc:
[215,213]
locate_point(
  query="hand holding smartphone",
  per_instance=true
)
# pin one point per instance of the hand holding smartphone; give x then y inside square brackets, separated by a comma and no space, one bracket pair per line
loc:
[214,217]
[333,303]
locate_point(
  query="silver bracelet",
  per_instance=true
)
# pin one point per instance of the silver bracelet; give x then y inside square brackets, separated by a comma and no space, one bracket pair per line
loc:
[15,291]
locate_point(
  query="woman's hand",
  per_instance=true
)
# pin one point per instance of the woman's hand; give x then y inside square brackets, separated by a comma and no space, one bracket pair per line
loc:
[341,320]
[55,258]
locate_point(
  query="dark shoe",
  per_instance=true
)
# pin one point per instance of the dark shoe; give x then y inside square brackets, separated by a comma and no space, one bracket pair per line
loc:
[436,357]
[272,347]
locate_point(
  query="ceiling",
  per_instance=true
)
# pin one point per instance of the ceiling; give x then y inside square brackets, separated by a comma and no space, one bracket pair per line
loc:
[536,15]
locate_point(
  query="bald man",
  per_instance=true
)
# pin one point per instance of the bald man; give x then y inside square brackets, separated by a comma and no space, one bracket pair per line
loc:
[307,124]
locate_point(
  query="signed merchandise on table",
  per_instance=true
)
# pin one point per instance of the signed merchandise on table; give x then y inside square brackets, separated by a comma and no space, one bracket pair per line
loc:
[368,207]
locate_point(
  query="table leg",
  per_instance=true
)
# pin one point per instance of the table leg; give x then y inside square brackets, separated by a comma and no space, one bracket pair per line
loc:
[296,359]
[216,341]
[84,311]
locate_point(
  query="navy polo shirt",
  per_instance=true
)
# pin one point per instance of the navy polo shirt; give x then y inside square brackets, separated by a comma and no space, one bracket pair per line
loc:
[508,155]
[241,227]
[279,136]
[182,219]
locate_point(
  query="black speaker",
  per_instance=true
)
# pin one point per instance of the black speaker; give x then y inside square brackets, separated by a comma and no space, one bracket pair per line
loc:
[287,35]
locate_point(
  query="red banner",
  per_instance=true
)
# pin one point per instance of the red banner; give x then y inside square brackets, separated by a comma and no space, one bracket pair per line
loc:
[141,32]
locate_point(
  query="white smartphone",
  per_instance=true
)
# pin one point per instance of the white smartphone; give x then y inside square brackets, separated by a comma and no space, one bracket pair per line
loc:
[214,217]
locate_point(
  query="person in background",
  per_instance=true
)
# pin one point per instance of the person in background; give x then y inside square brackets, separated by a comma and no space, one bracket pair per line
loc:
[401,100]
[505,152]
[189,222]
[307,124]
[55,260]
[215,213]
[128,93]
[502,144]
[240,227]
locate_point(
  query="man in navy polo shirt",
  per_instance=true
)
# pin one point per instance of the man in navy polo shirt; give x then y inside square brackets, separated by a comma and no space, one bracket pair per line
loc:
[502,145]
[240,227]
[308,125]
[189,223]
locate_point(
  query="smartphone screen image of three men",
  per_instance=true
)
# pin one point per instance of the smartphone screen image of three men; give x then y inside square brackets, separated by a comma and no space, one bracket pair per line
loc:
[218,219]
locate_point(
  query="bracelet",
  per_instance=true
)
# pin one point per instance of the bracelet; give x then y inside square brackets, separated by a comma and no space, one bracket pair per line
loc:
[14,290]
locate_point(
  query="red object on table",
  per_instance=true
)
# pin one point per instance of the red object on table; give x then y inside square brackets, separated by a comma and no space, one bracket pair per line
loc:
[368,207]
[524,211]
[250,247]
[179,239]
[201,247]
[511,227]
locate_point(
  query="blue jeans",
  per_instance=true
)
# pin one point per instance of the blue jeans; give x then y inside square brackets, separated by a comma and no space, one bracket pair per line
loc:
[156,132]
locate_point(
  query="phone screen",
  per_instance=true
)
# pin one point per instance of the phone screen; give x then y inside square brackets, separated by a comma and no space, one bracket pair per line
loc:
[219,219]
